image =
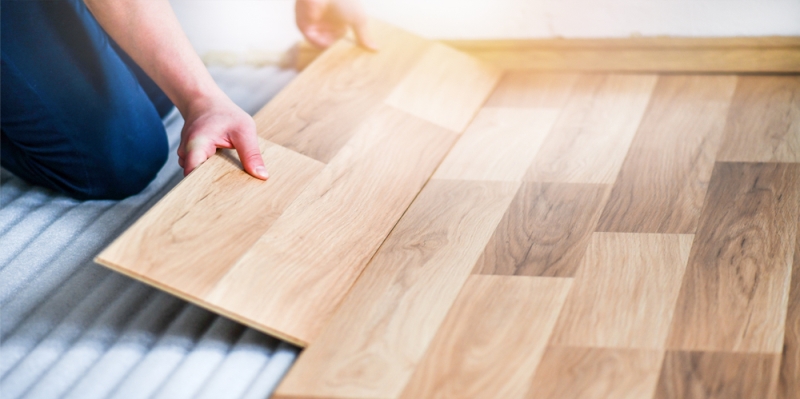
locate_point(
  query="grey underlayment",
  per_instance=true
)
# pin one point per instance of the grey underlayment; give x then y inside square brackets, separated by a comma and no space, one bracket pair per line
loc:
[72,329]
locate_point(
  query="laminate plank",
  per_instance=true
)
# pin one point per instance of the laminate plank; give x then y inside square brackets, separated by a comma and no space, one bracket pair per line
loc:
[735,290]
[519,89]
[587,373]
[663,181]
[455,86]
[764,122]
[382,328]
[624,292]
[348,83]
[790,360]
[498,145]
[171,246]
[594,130]
[486,347]
[316,249]
[545,230]
[709,375]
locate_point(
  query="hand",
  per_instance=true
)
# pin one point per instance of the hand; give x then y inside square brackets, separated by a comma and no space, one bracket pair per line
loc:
[217,122]
[323,22]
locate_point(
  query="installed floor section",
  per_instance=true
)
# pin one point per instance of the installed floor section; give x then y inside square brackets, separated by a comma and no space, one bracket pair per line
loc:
[588,236]
[70,328]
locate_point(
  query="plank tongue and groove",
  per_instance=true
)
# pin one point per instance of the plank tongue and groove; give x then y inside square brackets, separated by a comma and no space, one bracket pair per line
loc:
[349,144]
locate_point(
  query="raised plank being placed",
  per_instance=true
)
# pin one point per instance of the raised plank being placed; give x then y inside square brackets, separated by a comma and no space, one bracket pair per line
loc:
[347,155]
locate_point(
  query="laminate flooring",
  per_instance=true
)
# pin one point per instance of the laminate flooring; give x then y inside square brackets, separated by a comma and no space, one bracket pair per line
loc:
[469,233]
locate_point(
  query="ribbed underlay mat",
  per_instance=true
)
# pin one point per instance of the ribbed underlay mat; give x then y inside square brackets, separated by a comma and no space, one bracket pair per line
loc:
[72,329]
[348,144]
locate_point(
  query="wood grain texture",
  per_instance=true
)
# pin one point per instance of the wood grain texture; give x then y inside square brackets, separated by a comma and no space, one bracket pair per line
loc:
[589,373]
[498,145]
[624,292]
[663,181]
[189,240]
[455,86]
[383,327]
[486,347]
[764,122]
[316,249]
[735,290]
[545,230]
[592,135]
[532,90]
[790,360]
[348,83]
[712,375]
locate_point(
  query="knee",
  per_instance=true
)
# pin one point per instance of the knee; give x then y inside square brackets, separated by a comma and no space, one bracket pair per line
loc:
[126,169]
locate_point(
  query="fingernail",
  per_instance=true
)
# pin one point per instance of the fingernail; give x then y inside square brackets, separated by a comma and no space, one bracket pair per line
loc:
[262,172]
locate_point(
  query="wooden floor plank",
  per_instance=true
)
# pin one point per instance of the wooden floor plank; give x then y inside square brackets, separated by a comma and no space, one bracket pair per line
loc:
[170,245]
[499,144]
[532,90]
[378,158]
[790,361]
[718,375]
[624,292]
[662,184]
[591,137]
[382,329]
[764,122]
[589,373]
[735,290]
[545,230]
[316,249]
[455,86]
[318,119]
[486,347]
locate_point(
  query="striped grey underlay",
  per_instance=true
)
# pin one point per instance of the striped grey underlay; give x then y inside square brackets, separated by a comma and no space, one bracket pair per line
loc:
[70,328]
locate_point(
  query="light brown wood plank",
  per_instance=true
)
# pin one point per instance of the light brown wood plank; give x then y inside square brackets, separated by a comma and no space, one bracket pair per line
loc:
[488,346]
[594,130]
[790,361]
[455,86]
[735,289]
[663,182]
[532,90]
[718,375]
[172,245]
[349,82]
[624,292]
[545,231]
[383,327]
[316,249]
[498,145]
[764,122]
[589,373]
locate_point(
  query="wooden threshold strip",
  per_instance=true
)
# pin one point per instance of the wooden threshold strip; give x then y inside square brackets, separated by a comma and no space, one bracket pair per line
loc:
[773,54]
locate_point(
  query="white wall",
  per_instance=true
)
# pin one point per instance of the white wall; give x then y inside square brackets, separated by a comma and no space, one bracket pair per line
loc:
[247,30]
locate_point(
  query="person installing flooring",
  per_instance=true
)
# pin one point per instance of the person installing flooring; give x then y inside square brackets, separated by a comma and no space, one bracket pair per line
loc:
[85,85]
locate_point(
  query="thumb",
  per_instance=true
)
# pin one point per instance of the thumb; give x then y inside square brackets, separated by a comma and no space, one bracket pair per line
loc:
[198,151]
[247,147]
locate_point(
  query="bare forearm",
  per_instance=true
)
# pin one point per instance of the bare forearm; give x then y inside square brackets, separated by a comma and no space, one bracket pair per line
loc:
[150,33]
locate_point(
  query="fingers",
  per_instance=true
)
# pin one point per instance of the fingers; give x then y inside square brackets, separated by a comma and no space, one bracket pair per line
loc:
[363,35]
[246,145]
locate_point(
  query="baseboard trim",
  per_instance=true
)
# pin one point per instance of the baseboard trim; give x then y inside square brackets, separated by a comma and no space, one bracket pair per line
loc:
[776,54]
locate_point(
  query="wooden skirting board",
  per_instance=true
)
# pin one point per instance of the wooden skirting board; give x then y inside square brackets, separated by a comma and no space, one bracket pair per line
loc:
[437,228]
[651,54]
